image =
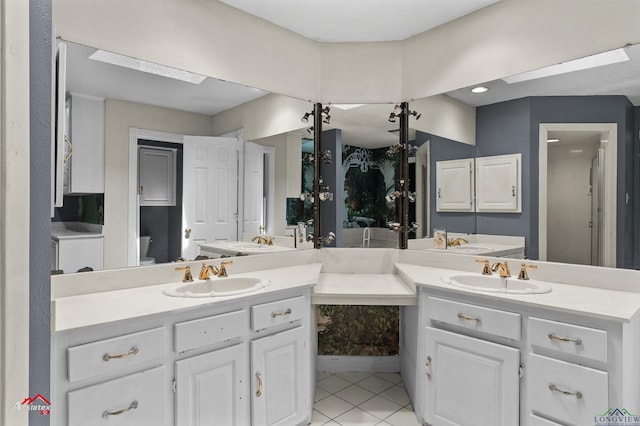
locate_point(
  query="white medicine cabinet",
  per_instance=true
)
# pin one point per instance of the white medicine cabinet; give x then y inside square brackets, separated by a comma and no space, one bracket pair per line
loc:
[157,176]
[483,184]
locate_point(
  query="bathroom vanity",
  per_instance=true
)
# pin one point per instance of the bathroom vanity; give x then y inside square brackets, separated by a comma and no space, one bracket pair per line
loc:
[122,348]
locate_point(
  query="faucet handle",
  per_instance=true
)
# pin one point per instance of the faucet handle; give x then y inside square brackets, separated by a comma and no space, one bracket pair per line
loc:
[486,270]
[222,271]
[187,278]
[523,275]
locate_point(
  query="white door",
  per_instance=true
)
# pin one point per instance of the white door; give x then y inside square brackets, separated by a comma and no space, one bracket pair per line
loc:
[454,185]
[280,379]
[254,200]
[469,381]
[212,389]
[209,192]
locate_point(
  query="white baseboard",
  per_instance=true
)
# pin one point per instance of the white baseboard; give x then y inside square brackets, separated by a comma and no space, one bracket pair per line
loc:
[358,364]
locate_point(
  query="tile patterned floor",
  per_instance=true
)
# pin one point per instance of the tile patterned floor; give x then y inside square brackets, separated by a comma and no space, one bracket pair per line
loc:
[364,399]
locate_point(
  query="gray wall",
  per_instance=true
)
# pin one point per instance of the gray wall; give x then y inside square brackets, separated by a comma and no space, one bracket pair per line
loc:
[40,202]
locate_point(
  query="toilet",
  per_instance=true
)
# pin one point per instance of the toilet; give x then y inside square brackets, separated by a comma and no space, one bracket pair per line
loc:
[145,242]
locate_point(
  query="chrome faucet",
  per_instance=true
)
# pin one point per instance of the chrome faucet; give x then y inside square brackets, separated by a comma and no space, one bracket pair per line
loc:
[212,269]
[263,240]
[502,268]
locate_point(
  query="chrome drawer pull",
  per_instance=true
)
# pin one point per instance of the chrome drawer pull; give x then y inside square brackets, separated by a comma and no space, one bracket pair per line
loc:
[554,388]
[564,339]
[281,314]
[467,318]
[131,406]
[134,350]
[259,379]
[428,365]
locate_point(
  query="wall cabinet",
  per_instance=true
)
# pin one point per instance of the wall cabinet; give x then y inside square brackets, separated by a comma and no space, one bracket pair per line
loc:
[219,364]
[498,184]
[454,185]
[84,145]
[157,176]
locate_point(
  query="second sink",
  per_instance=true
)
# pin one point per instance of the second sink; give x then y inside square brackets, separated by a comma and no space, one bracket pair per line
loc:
[219,287]
[496,284]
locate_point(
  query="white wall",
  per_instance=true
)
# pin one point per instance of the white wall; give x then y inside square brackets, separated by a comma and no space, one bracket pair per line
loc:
[210,38]
[569,202]
[119,117]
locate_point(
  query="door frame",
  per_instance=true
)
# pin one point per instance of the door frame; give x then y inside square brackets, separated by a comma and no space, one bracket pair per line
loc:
[610,185]
[133,220]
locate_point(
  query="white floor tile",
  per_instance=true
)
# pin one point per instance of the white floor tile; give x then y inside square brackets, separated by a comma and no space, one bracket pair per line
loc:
[355,395]
[322,375]
[332,406]
[357,417]
[353,377]
[403,417]
[320,394]
[332,423]
[383,423]
[375,384]
[396,394]
[333,384]
[318,419]
[380,407]
[394,378]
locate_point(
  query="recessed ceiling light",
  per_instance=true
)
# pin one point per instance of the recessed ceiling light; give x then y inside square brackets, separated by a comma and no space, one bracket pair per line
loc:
[479,89]
[553,140]
[593,61]
[148,67]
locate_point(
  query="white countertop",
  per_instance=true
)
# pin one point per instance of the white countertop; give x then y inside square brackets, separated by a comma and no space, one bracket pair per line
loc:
[74,230]
[233,248]
[363,289]
[591,301]
[99,308]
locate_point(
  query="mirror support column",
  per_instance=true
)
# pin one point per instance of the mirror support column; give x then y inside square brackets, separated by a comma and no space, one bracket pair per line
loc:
[404,177]
[317,152]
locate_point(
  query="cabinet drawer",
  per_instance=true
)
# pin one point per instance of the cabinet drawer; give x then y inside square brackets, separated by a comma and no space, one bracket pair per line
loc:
[206,331]
[487,320]
[138,399]
[280,312]
[569,338]
[112,355]
[568,392]
[539,421]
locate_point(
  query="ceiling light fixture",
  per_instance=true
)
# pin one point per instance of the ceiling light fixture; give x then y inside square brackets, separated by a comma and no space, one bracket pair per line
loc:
[593,61]
[148,67]
[480,89]
[553,140]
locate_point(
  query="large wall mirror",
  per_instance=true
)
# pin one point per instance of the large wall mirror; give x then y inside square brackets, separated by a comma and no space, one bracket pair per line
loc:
[510,118]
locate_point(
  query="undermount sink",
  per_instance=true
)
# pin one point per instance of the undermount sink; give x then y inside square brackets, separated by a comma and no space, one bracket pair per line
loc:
[496,284]
[470,249]
[219,287]
[250,247]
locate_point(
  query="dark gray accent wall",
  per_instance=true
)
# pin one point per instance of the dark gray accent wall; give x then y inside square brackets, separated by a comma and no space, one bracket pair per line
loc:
[40,58]
[513,126]
[332,175]
[441,149]
[636,202]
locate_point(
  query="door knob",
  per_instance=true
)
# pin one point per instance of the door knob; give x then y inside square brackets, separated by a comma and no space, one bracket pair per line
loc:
[187,232]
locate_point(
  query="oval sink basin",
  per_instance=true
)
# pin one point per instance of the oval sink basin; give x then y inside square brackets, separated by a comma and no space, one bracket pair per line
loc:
[470,249]
[495,284]
[219,287]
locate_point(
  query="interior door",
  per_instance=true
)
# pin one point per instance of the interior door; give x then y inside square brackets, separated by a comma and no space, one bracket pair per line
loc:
[254,200]
[597,183]
[209,193]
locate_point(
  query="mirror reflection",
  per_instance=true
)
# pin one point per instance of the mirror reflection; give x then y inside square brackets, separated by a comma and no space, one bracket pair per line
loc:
[139,214]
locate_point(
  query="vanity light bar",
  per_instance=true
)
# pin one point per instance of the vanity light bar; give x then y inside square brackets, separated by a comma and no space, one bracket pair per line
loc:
[148,67]
[593,61]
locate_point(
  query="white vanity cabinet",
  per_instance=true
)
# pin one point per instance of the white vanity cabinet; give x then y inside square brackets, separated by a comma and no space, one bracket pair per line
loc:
[238,362]
[469,380]
[74,253]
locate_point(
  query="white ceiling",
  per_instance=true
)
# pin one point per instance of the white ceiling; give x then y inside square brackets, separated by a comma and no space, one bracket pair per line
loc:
[358,20]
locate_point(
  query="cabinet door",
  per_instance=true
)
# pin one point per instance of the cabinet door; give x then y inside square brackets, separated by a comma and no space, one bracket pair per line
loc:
[84,166]
[212,389]
[74,254]
[498,182]
[157,176]
[469,381]
[280,378]
[454,185]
